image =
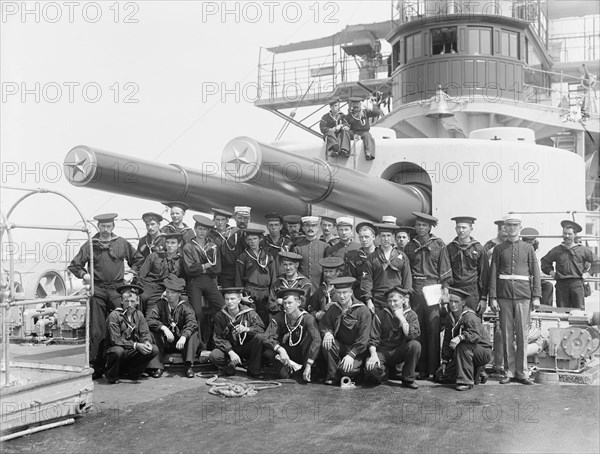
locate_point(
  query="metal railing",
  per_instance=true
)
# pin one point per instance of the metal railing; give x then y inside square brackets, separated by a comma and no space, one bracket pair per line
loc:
[293,79]
[530,11]
[8,297]
[575,47]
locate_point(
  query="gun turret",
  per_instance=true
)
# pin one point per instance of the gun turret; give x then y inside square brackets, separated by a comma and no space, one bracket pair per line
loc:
[250,173]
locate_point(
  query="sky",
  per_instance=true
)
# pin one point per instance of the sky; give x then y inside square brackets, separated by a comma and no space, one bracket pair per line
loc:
[147,79]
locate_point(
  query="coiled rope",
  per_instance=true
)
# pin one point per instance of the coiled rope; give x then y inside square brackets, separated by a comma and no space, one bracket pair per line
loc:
[228,388]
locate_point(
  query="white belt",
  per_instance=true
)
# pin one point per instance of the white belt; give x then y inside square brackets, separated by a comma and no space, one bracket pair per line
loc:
[513,277]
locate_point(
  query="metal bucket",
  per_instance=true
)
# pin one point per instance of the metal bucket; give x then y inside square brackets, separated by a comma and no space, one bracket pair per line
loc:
[547,378]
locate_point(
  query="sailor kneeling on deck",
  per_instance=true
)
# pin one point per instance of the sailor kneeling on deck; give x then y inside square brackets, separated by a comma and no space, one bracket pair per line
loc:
[394,340]
[237,335]
[128,342]
[465,351]
[292,339]
[174,327]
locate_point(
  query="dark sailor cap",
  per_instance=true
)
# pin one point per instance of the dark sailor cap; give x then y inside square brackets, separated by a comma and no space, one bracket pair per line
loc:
[150,216]
[566,224]
[343,282]
[367,224]
[458,292]
[227,290]
[174,283]
[356,99]
[130,288]
[291,256]
[203,221]
[105,218]
[396,289]
[171,235]
[529,233]
[331,262]
[432,220]
[220,212]
[274,216]
[406,228]
[499,222]
[328,219]
[463,219]
[182,205]
[282,293]
[254,231]
[292,219]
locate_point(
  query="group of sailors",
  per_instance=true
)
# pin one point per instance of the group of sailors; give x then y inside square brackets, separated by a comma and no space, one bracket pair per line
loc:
[320,306]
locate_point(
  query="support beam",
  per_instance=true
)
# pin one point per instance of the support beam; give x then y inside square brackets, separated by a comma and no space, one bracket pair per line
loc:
[295,122]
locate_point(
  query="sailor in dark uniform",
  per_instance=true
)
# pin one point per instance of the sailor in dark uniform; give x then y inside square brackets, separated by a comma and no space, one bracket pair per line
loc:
[158,266]
[470,265]
[403,236]
[394,339]
[569,263]
[290,278]
[430,265]
[202,261]
[345,328]
[335,129]
[328,230]
[110,254]
[358,120]
[355,260]
[274,242]
[237,336]
[152,241]
[345,228]
[128,343]
[174,328]
[255,272]
[229,242]
[384,268]
[321,299]
[292,339]
[293,226]
[177,213]
[466,348]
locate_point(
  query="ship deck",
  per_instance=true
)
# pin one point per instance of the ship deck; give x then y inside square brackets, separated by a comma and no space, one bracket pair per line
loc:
[176,414]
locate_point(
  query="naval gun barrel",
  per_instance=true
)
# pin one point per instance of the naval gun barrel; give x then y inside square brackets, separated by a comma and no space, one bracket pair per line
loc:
[200,189]
[316,182]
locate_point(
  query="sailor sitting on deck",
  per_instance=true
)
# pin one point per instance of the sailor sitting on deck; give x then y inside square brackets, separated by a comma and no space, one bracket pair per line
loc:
[174,327]
[237,335]
[292,338]
[346,327]
[129,344]
[466,350]
[394,339]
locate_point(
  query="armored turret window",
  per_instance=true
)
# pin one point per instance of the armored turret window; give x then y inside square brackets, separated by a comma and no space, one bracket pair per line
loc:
[414,47]
[479,40]
[509,46]
[443,40]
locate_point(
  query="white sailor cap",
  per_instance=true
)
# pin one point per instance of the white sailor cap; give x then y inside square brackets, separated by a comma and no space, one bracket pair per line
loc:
[512,218]
[310,219]
[344,220]
[241,209]
[388,219]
